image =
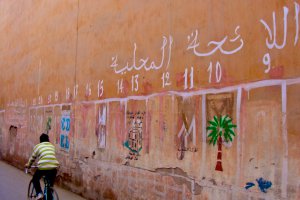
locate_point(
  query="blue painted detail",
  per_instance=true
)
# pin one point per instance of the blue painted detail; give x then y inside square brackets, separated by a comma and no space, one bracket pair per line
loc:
[62,138]
[65,123]
[67,144]
[62,124]
[68,124]
[249,185]
[64,142]
[263,184]
[126,144]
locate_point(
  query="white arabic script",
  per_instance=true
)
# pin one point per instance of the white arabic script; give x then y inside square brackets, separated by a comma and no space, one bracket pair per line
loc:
[194,43]
[142,63]
[270,44]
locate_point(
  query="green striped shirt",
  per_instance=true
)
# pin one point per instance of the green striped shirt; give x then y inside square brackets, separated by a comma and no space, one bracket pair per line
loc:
[45,152]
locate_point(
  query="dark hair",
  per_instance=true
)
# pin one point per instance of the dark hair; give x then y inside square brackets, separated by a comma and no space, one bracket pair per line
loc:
[44,138]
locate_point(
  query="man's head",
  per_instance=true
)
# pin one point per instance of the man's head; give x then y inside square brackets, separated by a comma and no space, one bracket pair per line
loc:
[44,138]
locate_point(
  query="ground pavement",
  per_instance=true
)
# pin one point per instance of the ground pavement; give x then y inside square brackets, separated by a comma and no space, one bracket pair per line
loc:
[14,185]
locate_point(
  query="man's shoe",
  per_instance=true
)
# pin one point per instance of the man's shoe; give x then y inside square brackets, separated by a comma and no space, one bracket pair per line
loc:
[39,196]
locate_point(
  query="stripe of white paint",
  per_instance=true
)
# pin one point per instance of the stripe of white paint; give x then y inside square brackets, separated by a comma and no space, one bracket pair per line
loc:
[174,119]
[203,141]
[51,105]
[292,81]
[125,117]
[238,138]
[247,87]
[107,119]
[284,178]
[194,130]
[39,77]
[259,84]
[146,123]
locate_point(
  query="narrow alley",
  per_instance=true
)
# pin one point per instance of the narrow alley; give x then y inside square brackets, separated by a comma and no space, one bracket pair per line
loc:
[14,184]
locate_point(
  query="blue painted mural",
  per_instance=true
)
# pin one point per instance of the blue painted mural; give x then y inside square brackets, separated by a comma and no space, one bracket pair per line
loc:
[65,130]
[263,184]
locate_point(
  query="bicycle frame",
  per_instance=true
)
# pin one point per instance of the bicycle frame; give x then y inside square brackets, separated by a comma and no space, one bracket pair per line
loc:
[48,191]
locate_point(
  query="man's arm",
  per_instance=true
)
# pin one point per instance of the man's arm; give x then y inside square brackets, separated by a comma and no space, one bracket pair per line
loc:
[32,158]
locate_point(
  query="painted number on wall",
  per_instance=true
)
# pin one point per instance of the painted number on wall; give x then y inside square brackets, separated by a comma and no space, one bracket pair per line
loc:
[100,88]
[188,75]
[217,70]
[135,83]
[165,79]
[120,86]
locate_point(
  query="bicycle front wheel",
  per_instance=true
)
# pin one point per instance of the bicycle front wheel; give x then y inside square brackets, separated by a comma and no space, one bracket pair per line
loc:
[51,194]
[31,194]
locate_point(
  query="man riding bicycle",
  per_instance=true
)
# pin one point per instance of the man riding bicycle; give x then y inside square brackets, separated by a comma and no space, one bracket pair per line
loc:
[47,163]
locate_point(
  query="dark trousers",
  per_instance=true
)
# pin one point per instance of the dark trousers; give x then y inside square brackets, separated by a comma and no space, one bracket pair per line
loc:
[49,174]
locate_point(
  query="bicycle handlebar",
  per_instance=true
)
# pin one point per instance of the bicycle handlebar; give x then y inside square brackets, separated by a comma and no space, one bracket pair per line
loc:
[27,168]
[33,166]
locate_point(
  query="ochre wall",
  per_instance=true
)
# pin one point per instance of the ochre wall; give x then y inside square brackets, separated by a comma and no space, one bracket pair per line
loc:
[154,68]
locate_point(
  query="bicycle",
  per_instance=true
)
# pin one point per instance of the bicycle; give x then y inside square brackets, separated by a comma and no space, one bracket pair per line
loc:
[49,192]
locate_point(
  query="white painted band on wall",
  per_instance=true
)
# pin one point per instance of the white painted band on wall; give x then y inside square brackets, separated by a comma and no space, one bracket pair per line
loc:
[246,86]
[284,178]
[238,137]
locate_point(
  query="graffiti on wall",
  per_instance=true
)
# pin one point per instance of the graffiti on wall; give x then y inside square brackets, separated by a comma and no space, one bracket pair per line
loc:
[217,45]
[276,28]
[220,129]
[271,40]
[219,105]
[134,140]
[48,117]
[141,63]
[145,63]
[186,137]
[262,184]
[101,125]
[48,124]
[65,129]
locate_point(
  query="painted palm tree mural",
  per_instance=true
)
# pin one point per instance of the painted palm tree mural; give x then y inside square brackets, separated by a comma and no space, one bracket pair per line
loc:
[221,128]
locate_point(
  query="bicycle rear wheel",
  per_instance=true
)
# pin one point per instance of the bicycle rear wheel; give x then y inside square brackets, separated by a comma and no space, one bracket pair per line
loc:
[54,195]
[31,194]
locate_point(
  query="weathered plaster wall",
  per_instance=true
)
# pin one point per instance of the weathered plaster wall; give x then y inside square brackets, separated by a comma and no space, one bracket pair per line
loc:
[126,90]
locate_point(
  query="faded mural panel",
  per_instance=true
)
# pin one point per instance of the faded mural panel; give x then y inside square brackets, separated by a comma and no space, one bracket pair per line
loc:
[101,125]
[293,130]
[65,125]
[137,138]
[223,156]
[262,150]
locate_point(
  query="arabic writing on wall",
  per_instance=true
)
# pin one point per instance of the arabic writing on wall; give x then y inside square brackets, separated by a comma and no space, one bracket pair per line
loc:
[130,73]
[271,40]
